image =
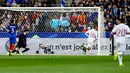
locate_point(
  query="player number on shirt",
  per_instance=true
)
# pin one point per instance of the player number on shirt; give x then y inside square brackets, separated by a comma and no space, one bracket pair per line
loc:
[92,35]
[121,32]
[12,30]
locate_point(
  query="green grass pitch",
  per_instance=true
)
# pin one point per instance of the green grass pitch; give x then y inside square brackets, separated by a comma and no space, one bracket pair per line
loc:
[62,64]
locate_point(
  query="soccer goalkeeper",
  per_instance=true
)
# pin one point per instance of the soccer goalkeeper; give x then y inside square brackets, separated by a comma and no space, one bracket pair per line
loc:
[22,42]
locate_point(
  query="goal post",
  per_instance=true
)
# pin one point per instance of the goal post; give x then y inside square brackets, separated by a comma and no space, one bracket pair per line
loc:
[39,19]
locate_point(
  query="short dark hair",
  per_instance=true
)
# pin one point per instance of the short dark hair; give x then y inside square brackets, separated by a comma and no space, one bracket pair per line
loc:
[94,26]
[122,20]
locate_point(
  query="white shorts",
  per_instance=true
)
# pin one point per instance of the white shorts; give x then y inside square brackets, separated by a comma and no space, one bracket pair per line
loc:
[120,46]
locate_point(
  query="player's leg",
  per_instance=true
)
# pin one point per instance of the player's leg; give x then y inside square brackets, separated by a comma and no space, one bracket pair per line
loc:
[16,48]
[84,48]
[25,49]
[120,54]
[12,44]
[89,47]
[10,41]
[116,51]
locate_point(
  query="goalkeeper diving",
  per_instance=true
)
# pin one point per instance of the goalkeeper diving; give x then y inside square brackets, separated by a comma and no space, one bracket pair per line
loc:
[92,37]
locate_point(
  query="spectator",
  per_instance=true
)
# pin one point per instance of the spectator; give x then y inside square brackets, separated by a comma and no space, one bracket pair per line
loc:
[82,18]
[69,29]
[73,4]
[46,3]
[92,4]
[26,3]
[3,3]
[99,3]
[44,19]
[40,3]
[9,16]
[36,24]
[86,4]
[67,17]
[37,21]
[73,28]
[55,23]
[61,29]
[32,3]
[106,25]
[112,9]
[34,16]
[80,3]
[21,17]
[20,24]
[115,11]
[110,25]
[128,19]
[64,23]
[27,25]
[66,4]
[5,24]
[73,19]
[79,28]
[84,29]
[61,17]
[26,17]
[36,4]
[14,4]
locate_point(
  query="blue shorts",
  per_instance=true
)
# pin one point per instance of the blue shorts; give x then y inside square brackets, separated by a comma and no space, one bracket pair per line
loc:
[12,38]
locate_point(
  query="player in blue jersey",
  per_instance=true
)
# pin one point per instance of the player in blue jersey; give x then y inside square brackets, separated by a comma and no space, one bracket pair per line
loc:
[12,29]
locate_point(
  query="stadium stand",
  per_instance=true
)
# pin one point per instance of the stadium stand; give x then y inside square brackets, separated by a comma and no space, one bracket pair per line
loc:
[113,9]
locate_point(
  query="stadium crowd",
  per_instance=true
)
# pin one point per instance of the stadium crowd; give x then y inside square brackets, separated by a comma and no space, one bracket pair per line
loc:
[27,3]
[68,22]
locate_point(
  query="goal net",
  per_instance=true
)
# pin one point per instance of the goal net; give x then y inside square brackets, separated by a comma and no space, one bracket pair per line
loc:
[62,29]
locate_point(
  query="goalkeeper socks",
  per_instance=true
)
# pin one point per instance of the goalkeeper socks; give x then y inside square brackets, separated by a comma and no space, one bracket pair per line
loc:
[14,51]
[17,51]
[87,52]
[26,49]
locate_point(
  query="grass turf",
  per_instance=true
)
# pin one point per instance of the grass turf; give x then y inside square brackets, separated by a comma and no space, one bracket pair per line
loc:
[62,64]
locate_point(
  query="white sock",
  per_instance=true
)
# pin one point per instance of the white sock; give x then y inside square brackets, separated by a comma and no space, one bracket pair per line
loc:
[87,52]
[120,57]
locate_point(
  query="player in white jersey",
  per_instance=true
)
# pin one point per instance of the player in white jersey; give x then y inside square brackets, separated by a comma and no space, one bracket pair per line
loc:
[121,30]
[92,37]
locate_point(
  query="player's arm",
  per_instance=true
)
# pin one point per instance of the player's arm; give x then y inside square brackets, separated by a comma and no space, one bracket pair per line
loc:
[7,29]
[86,33]
[96,36]
[112,33]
